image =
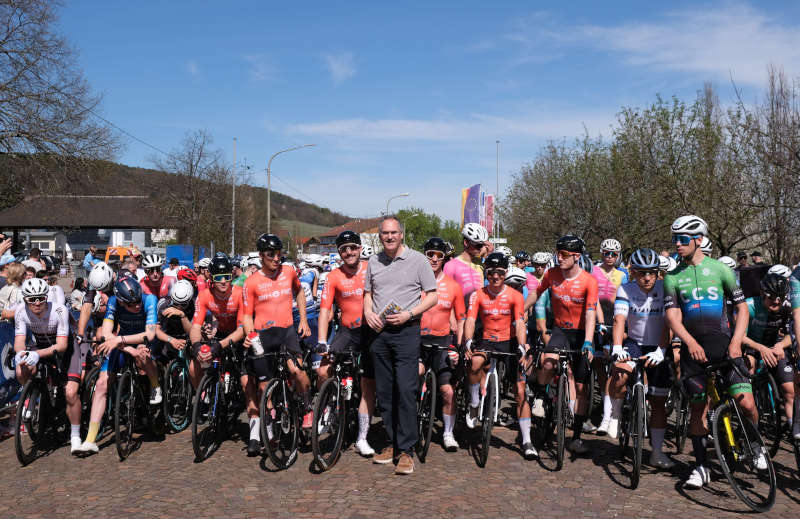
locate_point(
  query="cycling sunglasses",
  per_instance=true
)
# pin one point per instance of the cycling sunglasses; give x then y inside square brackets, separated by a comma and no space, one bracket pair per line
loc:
[434,254]
[564,254]
[496,272]
[152,269]
[683,239]
[476,245]
[610,253]
[542,265]
[775,298]
[348,248]
[221,278]
[35,299]
[647,272]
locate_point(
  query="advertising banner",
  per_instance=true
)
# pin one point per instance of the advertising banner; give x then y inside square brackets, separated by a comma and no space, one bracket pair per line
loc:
[472,205]
[9,387]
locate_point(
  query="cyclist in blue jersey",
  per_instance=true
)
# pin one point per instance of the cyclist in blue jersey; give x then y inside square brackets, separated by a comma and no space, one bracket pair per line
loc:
[134,317]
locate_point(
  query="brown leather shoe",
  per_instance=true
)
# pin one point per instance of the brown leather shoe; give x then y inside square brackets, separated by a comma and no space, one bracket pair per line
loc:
[405,464]
[384,457]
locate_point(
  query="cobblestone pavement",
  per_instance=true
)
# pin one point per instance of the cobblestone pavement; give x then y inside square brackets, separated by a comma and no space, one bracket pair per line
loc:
[161,480]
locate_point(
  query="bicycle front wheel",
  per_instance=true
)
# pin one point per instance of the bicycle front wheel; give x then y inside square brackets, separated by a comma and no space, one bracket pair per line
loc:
[767,398]
[487,418]
[177,395]
[740,449]
[329,424]
[30,426]
[426,413]
[125,415]
[207,416]
[562,410]
[638,416]
[279,424]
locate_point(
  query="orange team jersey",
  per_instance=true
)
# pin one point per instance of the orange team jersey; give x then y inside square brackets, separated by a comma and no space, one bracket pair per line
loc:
[436,320]
[569,298]
[269,300]
[498,311]
[348,292]
[228,310]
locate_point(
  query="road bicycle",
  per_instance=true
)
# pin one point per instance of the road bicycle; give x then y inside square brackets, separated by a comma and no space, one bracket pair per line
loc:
[489,406]
[178,391]
[41,421]
[633,421]
[550,430]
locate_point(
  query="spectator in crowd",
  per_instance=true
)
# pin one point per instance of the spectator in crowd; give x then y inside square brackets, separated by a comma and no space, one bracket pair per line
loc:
[137,257]
[11,294]
[76,297]
[35,260]
[756,257]
[90,259]
[30,272]
[172,271]
[741,260]
[5,261]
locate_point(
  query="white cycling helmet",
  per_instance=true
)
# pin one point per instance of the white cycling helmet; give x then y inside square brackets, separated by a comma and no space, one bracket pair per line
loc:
[35,287]
[101,277]
[690,224]
[181,292]
[204,263]
[152,261]
[672,264]
[705,246]
[254,261]
[515,276]
[611,245]
[540,258]
[243,263]
[505,251]
[366,251]
[729,262]
[781,270]
[475,232]
[663,263]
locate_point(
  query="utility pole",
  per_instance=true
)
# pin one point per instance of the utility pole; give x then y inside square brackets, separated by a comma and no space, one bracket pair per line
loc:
[233,202]
[497,194]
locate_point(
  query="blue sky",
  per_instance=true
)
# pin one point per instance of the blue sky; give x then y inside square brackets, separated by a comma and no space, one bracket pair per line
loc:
[408,97]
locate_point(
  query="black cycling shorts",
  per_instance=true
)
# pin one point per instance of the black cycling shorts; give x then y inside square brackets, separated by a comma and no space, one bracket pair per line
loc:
[693,373]
[358,340]
[659,378]
[263,367]
[783,372]
[435,358]
[572,340]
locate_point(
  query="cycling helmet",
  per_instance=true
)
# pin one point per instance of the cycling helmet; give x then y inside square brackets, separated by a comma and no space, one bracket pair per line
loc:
[152,261]
[435,243]
[515,276]
[125,273]
[610,245]
[512,260]
[268,242]
[645,259]
[672,264]
[505,251]
[220,264]
[366,251]
[254,262]
[101,277]
[188,274]
[496,260]
[522,256]
[690,224]
[475,232]
[663,263]
[346,237]
[585,262]
[730,262]
[541,258]
[181,292]
[35,287]
[204,263]
[705,246]
[781,270]
[128,290]
[775,285]
[571,243]
[243,263]
[450,249]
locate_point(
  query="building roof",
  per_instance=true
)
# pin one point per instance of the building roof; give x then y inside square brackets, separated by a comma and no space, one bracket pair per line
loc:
[363,225]
[84,211]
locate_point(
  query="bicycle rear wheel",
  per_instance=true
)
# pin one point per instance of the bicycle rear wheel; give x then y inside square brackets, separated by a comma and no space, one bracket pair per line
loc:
[562,410]
[125,415]
[329,424]
[638,417]
[426,414]
[29,431]
[487,418]
[737,443]
[208,416]
[177,396]
[767,398]
[280,421]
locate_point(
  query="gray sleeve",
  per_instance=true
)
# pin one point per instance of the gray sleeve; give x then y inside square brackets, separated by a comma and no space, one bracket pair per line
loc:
[368,275]
[427,280]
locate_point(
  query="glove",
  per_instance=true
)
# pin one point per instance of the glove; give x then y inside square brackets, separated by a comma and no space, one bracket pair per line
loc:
[452,354]
[587,348]
[619,353]
[322,347]
[468,345]
[32,359]
[656,356]
[523,349]
[19,358]
[602,328]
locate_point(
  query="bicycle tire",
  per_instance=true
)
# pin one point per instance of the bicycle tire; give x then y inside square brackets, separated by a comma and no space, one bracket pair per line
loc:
[734,455]
[592,393]
[125,410]
[796,445]
[30,402]
[561,420]
[206,417]
[638,417]
[487,418]
[177,403]
[426,415]
[625,425]
[87,395]
[330,411]
[768,403]
[282,449]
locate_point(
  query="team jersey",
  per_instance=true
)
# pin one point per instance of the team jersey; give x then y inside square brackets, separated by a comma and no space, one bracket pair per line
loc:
[569,298]
[227,309]
[763,325]
[307,282]
[436,320]
[239,282]
[542,308]
[498,312]
[608,283]
[269,299]
[202,284]
[55,295]
[45,328]
[468,275]
[794,288]
[323,278]
[159,289]
[172,326]
[700,291]
[348,292]
[131,323]
[644,313]
[531,281]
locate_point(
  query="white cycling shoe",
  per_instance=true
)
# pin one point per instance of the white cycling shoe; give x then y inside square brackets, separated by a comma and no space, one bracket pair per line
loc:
[362,447]
[449,442]
[699,477]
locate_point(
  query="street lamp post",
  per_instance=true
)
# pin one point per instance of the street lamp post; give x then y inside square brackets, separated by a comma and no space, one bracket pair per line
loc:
[269,180]
[392,198]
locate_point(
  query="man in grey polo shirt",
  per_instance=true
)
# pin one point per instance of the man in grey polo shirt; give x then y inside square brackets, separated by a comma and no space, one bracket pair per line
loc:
[396,280]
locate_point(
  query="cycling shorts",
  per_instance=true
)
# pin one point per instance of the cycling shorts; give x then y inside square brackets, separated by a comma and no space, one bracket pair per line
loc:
[58,359]
[715,346]
[357,339]
[512,363]
[659,378]
[783,372]
[437,359]
[76,360]
[572,340]
[114,361]
[263,367]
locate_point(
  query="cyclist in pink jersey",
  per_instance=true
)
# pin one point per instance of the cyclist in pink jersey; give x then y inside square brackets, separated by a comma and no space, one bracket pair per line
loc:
[461,268]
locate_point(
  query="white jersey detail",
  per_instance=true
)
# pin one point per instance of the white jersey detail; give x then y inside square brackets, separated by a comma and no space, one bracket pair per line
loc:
[644,312]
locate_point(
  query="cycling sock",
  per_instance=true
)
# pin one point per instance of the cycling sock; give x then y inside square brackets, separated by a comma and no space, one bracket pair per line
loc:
[363,425]
[616,408]
[699,447]
[525,430]
[74,431]
[449,421]
[572,406]
[606,406]
[255,429]
[94,428]
[474,395]
[577,426]
[153,381]
[656,438]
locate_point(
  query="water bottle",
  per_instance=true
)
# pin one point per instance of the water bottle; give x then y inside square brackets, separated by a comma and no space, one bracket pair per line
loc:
[255,344]
[227,381]
[347,382]
[205,349]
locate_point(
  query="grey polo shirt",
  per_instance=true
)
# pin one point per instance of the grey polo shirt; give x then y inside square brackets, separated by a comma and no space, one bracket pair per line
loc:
[400,280]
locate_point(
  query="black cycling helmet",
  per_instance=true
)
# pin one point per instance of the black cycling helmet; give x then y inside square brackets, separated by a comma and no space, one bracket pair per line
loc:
[128,290]
[348,237]
[496,260]
[220,264]
[268,242]
[775,285]
[522,256]
[571,243]
[435,243]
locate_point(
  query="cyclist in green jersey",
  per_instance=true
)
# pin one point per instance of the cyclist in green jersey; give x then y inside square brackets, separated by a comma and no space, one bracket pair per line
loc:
[694,302]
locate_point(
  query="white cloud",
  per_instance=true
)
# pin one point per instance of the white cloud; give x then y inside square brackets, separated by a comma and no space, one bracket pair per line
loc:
[262,68]
[192,68]
[341,66]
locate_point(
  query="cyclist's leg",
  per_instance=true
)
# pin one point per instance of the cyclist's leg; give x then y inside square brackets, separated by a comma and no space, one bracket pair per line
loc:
[619,378]
[784,374]
[366,407]
[694,383]
[740,388]
[659,383]
[444,373]
[76,354]
[110,366]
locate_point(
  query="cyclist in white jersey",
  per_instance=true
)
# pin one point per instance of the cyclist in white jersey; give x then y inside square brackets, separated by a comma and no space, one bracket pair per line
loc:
[640,306]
